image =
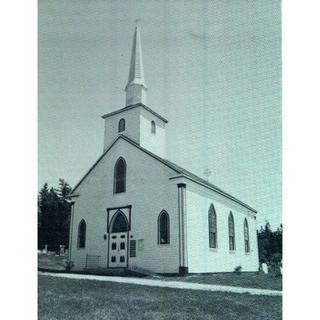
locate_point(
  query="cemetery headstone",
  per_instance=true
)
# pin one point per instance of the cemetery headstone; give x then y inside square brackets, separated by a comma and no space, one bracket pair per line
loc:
[265,268]
[62,249]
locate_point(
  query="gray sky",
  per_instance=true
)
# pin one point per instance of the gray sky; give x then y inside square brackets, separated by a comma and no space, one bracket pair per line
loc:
[213,69]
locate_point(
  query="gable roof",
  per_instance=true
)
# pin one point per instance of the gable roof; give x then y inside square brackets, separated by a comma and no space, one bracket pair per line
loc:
[132,107]
[179,170]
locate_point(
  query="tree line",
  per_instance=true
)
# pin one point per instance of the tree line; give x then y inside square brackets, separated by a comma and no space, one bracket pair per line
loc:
[53,216]
[270,244]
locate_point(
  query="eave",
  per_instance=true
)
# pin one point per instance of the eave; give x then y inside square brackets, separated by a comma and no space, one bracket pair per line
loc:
[132,107]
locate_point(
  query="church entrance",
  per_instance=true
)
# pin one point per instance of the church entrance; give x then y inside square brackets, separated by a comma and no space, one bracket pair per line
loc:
[118,241]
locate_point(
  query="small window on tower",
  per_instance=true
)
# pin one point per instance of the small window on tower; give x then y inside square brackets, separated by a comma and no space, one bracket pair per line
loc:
[153,127]
[122,125]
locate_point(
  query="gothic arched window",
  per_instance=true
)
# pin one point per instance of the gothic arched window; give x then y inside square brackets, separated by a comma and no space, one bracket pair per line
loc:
[232,243]
[120,171]
[212,223]
[246,236]
[82,234]
[120,223]
[163,228]
[122,125]
[153,127]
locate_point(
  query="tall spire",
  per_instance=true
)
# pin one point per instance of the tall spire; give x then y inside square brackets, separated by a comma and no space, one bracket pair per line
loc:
[136,87]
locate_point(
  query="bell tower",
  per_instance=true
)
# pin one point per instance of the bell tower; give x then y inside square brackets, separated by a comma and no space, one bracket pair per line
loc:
[136,89]
[136,120]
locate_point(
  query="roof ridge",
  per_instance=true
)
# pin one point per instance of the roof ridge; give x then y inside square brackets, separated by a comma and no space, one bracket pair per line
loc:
[139,104]
[188,173]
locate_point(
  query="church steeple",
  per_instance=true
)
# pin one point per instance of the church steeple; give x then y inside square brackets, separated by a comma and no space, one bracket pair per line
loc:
[136,89]
[136,120]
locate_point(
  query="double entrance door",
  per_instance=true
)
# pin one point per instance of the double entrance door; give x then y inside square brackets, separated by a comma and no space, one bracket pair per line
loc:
[118,250]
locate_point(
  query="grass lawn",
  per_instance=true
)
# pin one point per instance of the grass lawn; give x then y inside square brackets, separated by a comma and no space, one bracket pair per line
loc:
[52,262]
[69,299]
[246,280]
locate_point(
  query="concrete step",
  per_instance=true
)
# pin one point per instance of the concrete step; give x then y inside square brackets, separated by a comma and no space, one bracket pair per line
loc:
[140,272]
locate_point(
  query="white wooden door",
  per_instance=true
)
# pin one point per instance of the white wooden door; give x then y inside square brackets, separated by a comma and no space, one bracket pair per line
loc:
[118,250]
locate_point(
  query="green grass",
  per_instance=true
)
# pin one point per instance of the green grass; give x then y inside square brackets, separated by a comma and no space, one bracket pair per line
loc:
[246,280]
[52,262]
[86,299]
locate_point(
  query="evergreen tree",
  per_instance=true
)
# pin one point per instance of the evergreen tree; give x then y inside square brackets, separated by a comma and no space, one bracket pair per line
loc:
[64,212]
[51,226]
[64,189]
[270,244]
[53,216]
[42,209]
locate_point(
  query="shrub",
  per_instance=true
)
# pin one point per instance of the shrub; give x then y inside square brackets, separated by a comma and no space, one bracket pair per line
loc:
[237,269]
[69,265]
[276,258]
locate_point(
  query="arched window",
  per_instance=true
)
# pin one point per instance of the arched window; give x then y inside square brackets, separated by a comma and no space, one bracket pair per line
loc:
[120,171]
[153,127]
[246,236]
[232,243]
[212,223]
[119,222]
[163,228]
[122,125]
[82,234]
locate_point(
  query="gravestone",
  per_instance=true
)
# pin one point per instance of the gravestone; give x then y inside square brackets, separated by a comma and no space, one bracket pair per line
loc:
[264,267]
[45,250]
[62,249]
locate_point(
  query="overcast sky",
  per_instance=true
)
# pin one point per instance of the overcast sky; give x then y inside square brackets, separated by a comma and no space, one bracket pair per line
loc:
[213,69]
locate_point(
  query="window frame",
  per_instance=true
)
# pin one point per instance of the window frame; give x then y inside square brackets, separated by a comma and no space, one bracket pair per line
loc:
[115,177]
[118,215]
[212,228]
[232,237]
[82,234]
[133,248]
[164,213]
[246,236]
[153,128]
[121,125]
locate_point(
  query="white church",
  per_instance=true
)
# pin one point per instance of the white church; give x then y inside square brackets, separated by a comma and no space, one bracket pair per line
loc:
[136,209]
